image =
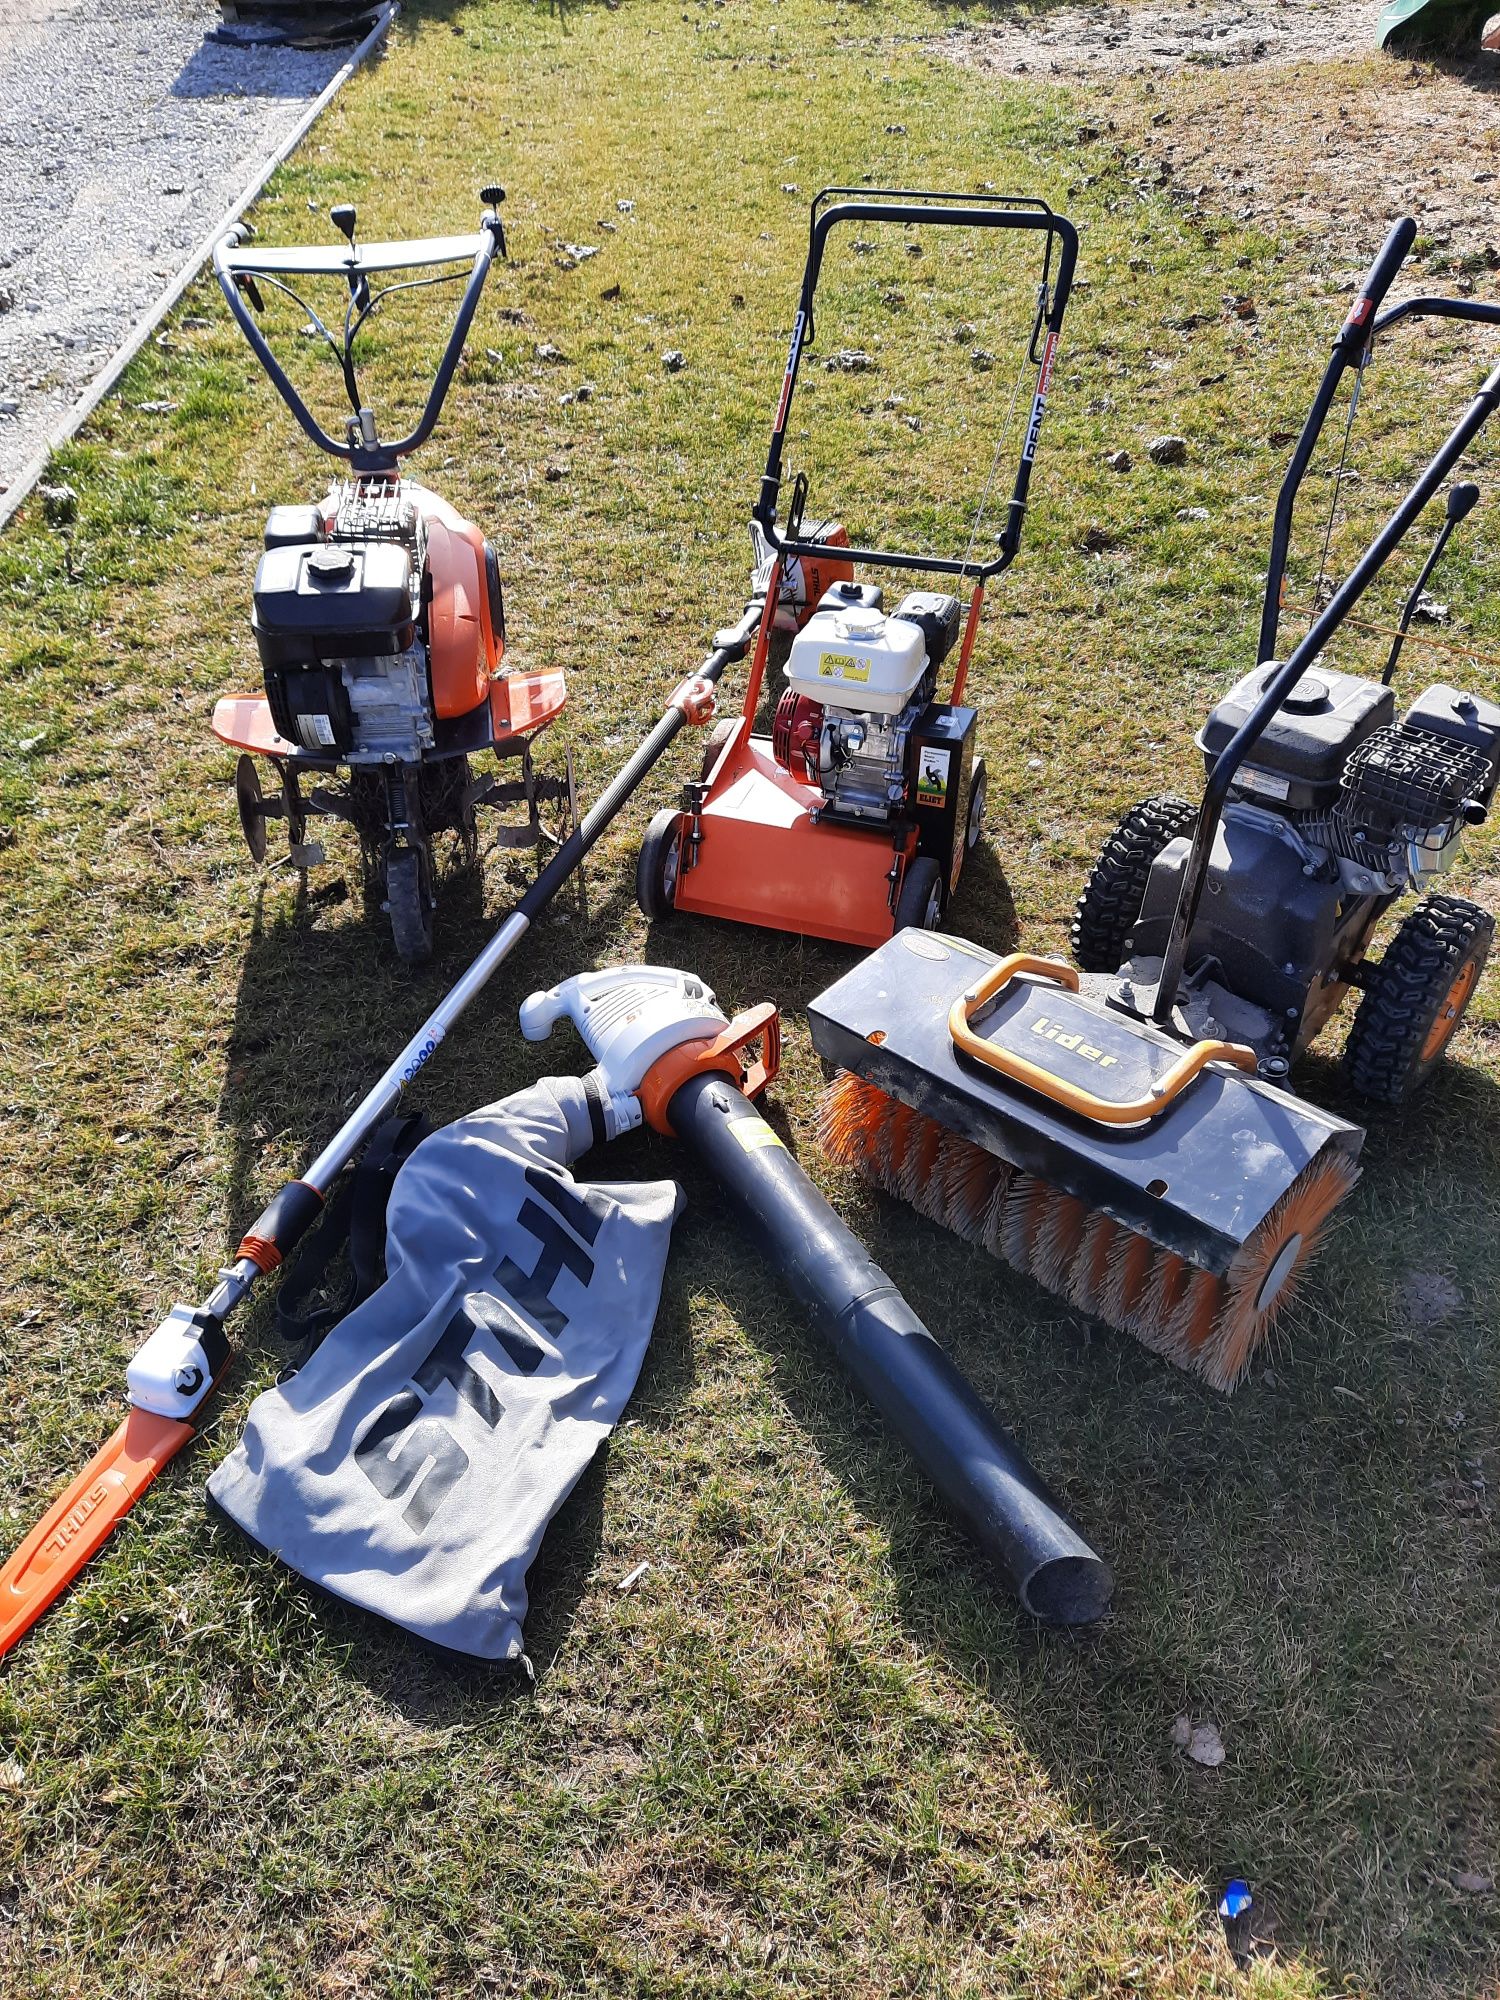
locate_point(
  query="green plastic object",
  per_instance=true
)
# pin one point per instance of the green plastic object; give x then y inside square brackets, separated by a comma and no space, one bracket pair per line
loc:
[1432,24]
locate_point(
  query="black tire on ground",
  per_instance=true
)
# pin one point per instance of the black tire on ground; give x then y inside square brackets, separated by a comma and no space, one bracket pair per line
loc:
[920,904]
[657,865]
[1416,998]
[409,901]
[717,737]
[1112,897]
[979,791]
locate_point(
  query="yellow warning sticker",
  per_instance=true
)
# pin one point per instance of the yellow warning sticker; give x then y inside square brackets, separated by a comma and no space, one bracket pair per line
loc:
[843,667]
[754,1133]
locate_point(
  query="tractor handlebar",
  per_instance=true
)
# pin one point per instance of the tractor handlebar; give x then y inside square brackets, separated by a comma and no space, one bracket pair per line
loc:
[238,270]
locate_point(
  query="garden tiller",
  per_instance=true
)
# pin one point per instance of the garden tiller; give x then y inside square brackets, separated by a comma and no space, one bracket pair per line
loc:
[1122,1134]
[854,817]
[378,611]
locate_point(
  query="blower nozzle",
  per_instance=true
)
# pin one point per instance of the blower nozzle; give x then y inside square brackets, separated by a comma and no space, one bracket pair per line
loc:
[694,1087]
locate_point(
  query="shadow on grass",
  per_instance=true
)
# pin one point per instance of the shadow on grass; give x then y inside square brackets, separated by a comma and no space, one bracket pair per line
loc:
[1308,1565]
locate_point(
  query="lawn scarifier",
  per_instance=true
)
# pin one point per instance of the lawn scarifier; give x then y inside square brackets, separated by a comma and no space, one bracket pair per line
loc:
[854,817]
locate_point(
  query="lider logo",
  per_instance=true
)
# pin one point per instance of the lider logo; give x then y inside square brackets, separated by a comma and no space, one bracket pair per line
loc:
[1051,1032]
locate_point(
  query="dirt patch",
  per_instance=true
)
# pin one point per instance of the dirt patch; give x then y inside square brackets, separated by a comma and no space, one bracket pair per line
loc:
[1427,1298]
[1280,115]
[1122,41]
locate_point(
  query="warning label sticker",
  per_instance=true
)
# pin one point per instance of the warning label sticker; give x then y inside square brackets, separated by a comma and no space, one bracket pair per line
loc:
[843,667]
[933,767]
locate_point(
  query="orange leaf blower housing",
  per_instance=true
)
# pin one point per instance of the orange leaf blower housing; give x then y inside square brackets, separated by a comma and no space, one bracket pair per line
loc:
[853,818]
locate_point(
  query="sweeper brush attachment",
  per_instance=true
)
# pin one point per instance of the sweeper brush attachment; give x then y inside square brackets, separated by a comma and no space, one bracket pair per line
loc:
[1182,1209]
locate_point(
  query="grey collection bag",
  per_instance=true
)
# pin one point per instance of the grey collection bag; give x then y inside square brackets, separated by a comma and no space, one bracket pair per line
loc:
[412,1464]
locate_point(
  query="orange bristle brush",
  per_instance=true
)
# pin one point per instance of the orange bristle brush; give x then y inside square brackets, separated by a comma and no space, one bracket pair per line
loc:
[1210,1324]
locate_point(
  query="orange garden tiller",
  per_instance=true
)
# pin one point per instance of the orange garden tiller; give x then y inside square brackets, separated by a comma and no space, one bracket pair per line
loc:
[379,617]
[852,820]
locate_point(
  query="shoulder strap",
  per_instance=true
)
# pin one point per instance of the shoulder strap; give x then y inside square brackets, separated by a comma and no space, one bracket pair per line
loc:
[352,1222]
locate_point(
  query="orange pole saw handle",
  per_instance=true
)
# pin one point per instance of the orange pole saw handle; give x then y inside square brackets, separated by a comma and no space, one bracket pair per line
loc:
[79,1522]
[668,1073]
[1058,1090]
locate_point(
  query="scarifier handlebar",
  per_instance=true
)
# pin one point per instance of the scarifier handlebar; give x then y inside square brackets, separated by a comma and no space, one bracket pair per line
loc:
[659,1035]
[174,1371]
[833,206]
[238,268]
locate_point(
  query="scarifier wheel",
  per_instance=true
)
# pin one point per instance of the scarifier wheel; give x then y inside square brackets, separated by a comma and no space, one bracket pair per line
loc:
[1207,1324]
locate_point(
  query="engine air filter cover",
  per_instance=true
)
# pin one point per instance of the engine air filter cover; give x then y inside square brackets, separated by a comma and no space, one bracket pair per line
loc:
[1300,758]
[323,601]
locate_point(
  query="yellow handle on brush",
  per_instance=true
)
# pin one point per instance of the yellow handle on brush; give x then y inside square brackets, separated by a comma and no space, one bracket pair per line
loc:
[1056,1089]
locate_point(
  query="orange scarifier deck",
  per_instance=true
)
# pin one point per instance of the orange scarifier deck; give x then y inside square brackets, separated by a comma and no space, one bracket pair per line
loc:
[762,860]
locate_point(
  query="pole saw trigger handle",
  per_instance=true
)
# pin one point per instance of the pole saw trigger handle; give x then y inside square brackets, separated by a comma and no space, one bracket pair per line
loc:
[670,1072]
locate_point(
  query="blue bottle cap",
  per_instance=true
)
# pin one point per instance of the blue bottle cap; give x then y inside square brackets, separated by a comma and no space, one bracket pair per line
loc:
[1235,1900]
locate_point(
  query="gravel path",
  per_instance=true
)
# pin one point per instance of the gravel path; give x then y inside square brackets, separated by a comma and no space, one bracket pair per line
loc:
[123,137]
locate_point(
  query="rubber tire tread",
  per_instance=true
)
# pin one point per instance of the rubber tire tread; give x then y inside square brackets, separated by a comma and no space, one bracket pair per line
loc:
[922,876]
[408,890]
[651,866]
[1383,1055]
[1115,891]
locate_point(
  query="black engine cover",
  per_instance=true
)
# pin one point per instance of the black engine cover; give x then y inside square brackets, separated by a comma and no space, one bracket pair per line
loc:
[1271,927]
[938,617]
[1464,719]
[1300,758]
[321,601]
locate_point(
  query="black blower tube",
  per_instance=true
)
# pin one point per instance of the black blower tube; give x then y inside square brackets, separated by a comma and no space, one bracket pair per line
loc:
[891,1355]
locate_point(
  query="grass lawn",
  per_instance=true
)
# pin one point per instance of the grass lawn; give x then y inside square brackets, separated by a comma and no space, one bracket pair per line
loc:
[812,1751]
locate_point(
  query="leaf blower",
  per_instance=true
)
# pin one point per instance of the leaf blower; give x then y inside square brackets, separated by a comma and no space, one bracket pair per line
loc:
[1122,1134]
[666,1055]
[176,1369]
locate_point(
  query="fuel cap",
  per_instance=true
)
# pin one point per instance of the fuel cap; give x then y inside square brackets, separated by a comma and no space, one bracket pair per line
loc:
[330,563]
[1310,694]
